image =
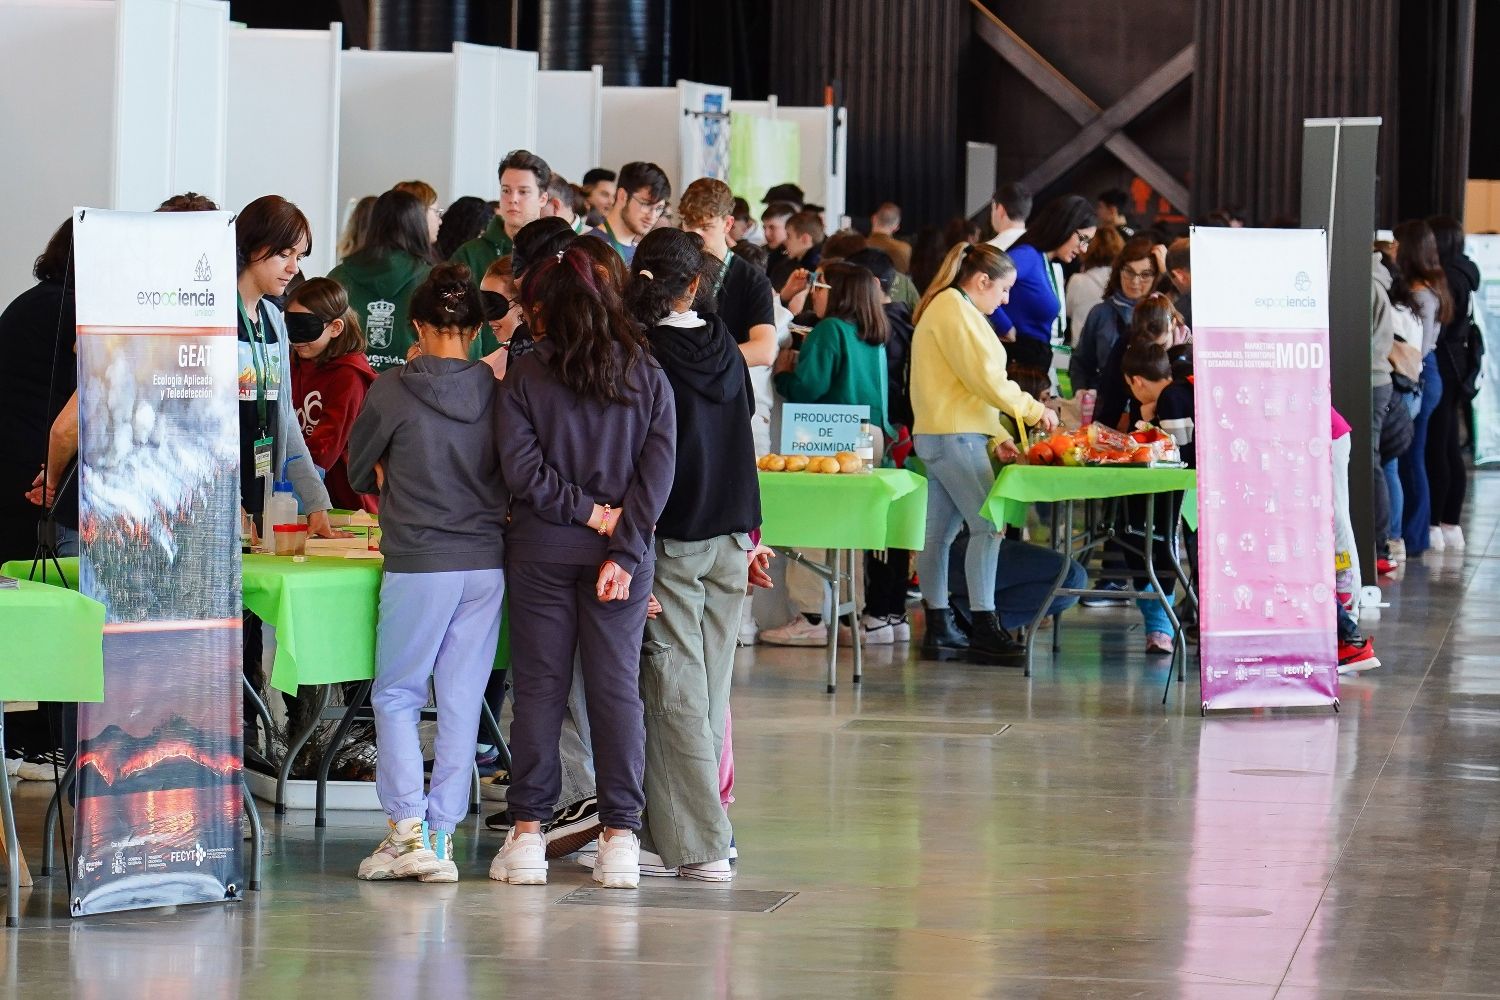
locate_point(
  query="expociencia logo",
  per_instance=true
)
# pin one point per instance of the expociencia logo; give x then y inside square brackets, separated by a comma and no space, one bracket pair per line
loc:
[1301,299]
[194,298]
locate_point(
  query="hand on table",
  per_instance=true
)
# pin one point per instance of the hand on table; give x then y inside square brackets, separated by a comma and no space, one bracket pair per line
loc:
[614,583]
[1006,452]
[760,566]
[247,529]
[318,526]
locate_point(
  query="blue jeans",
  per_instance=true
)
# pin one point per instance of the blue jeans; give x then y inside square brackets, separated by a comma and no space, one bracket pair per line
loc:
[1398,502]
[1413,465]
[1153,615]
[959,477]
[1026,572]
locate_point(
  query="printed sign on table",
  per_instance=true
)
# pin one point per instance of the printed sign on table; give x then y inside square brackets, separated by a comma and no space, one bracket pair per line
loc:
[1265,488]
[821,428]
[157,822]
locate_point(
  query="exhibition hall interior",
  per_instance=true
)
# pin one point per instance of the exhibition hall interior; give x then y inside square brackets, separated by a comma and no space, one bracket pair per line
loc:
[750,499]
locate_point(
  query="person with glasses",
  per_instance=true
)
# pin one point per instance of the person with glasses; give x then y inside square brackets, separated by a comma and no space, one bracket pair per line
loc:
[1132,277]
[641,195]
[1085,289]
[1033,318]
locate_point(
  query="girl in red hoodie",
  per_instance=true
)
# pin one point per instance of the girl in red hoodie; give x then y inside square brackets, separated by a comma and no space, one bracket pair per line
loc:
[330,376]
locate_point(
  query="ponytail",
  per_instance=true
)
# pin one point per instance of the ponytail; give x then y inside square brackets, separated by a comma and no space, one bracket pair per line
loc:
[963,262]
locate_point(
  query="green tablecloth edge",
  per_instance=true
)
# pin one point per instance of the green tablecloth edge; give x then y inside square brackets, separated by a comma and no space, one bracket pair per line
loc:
[73,669]
[1019,486]
[904,525]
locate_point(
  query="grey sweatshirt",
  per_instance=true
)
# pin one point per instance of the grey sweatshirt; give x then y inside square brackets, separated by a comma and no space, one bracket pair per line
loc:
[1382,326]
[434,423]
[562,454]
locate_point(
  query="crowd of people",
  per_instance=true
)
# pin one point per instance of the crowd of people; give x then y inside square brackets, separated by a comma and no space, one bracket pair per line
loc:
[558,397]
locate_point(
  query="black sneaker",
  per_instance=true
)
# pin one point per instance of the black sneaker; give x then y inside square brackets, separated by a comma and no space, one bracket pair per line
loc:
[572,827]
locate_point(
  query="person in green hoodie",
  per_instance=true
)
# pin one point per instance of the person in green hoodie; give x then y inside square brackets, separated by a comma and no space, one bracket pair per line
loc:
[381,277]
[524,182]
[842,361]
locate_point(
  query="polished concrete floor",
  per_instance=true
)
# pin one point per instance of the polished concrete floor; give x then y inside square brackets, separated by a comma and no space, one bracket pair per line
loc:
[948,831]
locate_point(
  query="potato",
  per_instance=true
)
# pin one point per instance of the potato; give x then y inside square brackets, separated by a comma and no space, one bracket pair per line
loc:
[849,462]
[775,463]
[829,464]
[796,463]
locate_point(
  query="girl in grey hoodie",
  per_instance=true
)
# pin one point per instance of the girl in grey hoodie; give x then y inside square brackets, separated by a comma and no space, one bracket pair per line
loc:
[427,440]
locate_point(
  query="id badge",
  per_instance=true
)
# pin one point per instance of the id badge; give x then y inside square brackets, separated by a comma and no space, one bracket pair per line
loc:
[263,457]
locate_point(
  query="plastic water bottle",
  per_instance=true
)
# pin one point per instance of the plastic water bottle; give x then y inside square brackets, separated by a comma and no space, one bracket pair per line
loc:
[282,508]
[865,448]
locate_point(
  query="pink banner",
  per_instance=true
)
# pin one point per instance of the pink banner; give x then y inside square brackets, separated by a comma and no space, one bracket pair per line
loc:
[1265,518]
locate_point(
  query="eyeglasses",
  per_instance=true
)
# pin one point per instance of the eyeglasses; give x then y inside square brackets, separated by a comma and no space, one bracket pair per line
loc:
[818,282]
[650,207]
[1148,275]
[1083,241]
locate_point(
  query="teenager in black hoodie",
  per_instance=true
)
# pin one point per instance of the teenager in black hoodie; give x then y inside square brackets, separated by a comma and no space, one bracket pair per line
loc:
[704,546]
[1447,476]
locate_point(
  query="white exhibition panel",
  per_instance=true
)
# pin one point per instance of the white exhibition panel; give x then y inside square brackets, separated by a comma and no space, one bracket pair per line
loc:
[169,101]
[515,105]
[703,133]
[824,157]
[62,116]
[476,122]
[640,123]
[395,122]
[569,106]
[289,147]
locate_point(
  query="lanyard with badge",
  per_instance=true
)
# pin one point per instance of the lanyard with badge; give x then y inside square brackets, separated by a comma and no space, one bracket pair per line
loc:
[724,271]
[259,361]
[620,248]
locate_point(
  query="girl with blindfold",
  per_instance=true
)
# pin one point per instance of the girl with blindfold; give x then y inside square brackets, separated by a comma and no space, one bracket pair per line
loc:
[330,377]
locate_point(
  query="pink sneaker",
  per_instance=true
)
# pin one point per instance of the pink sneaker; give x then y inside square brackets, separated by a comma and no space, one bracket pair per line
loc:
[1158,643]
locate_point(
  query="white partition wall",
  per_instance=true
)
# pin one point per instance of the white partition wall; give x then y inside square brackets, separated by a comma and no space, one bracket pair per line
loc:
[170,100]
[281,146]
[515,106]
[63,116]
[569,107]
[396,118]
[667,126]
[824,157]
[477,139]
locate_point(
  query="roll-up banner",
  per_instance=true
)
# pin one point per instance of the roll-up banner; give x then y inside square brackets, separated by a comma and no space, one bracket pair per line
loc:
[1484,250]
[1265,486]
[157,820]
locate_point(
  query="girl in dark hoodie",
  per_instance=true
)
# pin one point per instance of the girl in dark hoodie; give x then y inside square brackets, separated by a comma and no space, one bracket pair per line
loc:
[428,441]
[330,377]
[704,546]
[590,433]
[381,277]
[1447,476]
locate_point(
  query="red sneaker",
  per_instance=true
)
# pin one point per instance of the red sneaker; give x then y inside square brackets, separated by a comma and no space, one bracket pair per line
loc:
[1355,657]
[1385,566]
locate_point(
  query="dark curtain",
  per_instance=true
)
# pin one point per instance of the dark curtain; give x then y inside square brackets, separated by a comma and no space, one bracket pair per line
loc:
[1265,66]
[1437,65]
[895,67]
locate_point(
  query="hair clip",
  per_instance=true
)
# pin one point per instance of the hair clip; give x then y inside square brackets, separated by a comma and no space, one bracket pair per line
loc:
[646,274]
[560,254]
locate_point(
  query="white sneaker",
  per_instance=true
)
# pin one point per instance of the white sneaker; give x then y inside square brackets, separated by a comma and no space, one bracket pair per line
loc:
[708,871]
[749,631]
[442,848]
[618,863]
[797,632]
[1453,536]
[522,860]
[650,864]
[1435,540]
[900,628]
[404,853]
[1397,547]
[877,631]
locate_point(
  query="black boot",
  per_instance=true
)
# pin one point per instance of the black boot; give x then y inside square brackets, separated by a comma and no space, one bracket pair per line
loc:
[990,642]
[942,635]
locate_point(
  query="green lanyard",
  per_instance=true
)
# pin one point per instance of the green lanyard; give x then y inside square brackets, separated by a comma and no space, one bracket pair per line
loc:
[259,361]
[619,247]
[724,271]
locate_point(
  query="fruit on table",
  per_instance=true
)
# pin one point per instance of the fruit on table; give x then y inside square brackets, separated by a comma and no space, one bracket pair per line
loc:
[773,463]
[796,463]
[848,461]
[1041,453]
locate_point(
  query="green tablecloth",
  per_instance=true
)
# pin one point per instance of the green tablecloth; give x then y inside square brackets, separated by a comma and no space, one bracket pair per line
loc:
[885,509]
[324,611]
[53,641]
[1019,486]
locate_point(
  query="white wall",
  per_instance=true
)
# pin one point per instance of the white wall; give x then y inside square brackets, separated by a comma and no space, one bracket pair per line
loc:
[640,123]
[55,122]
[170,90]
[476,123]
[395,122]
[568,113]
[515,105]
[281,146]
[824,157]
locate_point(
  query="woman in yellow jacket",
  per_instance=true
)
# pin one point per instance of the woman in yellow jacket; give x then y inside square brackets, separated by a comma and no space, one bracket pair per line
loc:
[959,388]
